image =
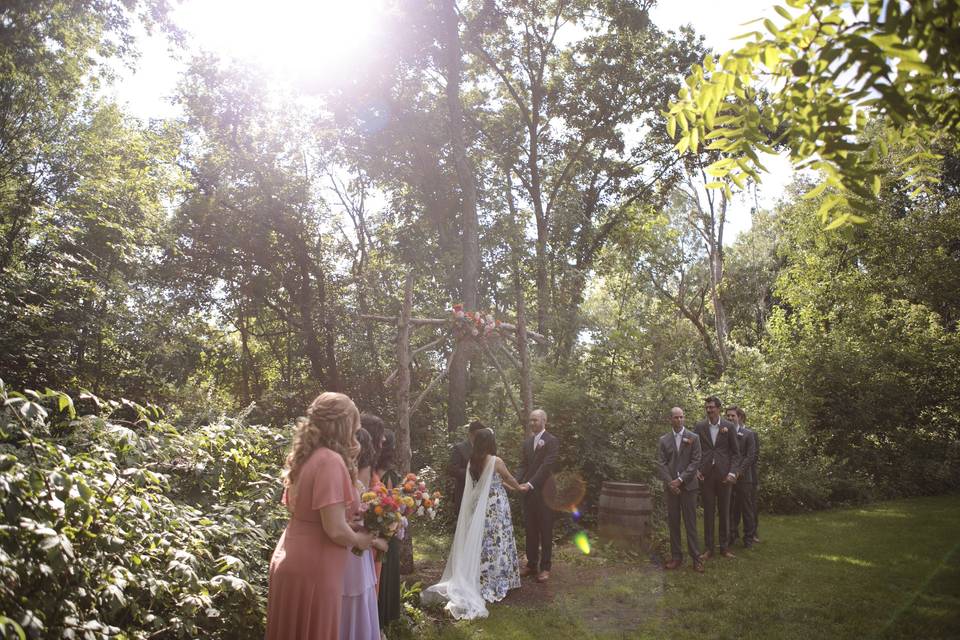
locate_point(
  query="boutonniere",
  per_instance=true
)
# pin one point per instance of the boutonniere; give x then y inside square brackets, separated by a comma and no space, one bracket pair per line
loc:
[688,440]
[539,444]
[723,429]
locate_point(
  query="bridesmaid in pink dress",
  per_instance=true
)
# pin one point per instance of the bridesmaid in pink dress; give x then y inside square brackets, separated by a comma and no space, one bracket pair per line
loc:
[307,569]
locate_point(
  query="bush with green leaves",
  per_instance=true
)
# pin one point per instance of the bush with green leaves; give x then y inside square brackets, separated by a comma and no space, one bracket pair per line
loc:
[116,525]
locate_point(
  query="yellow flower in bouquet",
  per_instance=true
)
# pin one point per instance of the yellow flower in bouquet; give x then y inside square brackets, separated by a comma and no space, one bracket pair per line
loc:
[424,502]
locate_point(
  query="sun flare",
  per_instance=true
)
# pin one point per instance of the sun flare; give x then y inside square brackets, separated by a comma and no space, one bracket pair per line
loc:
[288,38]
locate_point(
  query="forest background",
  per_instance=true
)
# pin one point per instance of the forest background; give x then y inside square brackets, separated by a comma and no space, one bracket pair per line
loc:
[176,291]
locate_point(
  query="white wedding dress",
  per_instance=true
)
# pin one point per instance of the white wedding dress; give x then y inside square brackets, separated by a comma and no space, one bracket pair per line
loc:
[460,584]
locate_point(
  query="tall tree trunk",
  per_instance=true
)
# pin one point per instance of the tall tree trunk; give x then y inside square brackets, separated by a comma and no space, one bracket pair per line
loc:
[718,219]
[403,406]
[526,388]
[244,356]
[470,240]
[543,229]
[328,323]
[403,377]
[311,341]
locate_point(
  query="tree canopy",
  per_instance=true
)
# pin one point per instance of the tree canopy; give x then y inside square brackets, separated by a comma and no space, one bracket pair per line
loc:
[812,80]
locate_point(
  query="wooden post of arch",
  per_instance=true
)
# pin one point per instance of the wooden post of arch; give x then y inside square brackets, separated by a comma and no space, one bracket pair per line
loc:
[403,377]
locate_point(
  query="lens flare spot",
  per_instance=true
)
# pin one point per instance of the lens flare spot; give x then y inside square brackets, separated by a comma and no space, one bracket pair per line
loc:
[575,514]
[582,542]
[564,491]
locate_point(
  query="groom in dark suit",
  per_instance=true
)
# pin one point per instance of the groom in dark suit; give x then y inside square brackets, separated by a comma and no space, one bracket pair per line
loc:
[537,462]
[719,467]
[678,461]
[457,467]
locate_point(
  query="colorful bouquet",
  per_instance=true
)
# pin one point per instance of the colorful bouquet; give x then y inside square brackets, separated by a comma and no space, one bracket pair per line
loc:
[424,503]
[386,512]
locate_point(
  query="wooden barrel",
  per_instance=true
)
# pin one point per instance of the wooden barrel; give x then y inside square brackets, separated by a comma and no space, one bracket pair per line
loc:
[625,512]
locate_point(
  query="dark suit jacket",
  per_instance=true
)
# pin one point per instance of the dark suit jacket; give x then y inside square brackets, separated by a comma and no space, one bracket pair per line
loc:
[537,467]
[724,456]
[755,474]
[683,463]
[457,469]
[748,450]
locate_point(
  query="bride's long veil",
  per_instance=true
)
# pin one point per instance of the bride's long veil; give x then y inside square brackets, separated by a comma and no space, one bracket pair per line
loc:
[460,584]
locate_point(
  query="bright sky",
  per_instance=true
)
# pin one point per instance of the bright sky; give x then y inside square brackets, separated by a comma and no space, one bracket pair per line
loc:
[291,37]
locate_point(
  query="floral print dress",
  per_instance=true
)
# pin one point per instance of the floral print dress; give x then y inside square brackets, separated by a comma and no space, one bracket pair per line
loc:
[499,566]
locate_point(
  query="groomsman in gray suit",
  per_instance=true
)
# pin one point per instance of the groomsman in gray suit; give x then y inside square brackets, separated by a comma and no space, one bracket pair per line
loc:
[719,467]
[755,474]
[743,499]
[678,460]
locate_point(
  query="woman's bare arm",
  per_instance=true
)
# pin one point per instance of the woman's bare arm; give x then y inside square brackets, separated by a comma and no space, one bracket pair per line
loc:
[333,517]
[501,467]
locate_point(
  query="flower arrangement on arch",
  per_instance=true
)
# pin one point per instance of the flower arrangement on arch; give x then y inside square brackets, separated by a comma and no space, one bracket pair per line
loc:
[473,323]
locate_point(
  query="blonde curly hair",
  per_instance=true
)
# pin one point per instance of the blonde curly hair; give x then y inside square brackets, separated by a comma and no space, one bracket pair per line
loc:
[331,421]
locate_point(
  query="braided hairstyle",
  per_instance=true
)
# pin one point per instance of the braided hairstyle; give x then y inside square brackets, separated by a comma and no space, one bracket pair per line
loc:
[330,422]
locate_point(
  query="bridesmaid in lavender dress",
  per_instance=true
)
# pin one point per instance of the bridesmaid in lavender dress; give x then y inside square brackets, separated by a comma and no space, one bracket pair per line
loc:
[359,619]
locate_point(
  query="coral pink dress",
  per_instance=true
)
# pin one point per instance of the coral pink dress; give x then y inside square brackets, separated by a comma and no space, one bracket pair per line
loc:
[307,568]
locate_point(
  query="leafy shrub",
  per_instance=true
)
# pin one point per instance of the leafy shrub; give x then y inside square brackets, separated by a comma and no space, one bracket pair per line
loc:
[117,526]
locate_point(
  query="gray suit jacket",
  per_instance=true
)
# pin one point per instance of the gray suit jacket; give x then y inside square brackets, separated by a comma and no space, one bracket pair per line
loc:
[725,454]
[683,464]
[749,450]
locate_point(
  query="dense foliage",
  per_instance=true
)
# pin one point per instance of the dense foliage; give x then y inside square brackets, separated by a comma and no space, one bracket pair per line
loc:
[116,522]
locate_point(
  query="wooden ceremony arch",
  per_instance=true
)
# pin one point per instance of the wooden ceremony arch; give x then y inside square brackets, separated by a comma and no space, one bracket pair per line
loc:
[406,323]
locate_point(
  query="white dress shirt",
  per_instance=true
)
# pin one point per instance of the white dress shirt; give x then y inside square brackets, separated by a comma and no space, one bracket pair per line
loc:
[677,438]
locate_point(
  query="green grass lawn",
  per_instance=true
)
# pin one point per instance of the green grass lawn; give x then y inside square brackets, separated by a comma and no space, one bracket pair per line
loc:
[890,570]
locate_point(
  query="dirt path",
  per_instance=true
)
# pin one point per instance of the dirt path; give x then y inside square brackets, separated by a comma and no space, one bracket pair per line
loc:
[568,575]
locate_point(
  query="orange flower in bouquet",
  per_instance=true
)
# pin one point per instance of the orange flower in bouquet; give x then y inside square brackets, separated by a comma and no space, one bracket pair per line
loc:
[382,513]
[423,501]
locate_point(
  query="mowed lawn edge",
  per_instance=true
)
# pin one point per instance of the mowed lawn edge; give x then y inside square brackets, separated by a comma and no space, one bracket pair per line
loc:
[886,570]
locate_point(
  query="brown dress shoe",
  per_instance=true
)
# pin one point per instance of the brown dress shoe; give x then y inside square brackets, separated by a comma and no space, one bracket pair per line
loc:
[706,555]
[698,566]
[726,553]
[543,577]
[527,571]
[673,563]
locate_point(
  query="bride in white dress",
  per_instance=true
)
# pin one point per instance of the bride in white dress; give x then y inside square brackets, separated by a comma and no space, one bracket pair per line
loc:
[483,563]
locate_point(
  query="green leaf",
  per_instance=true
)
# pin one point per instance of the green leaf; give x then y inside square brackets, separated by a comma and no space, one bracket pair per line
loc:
[816,191]
[671,127]
[783,12]
[6,623]
[771,56]
[828,203]
[837,222]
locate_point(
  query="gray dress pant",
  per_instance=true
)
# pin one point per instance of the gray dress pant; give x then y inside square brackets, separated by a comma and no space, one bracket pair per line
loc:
[684,504]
